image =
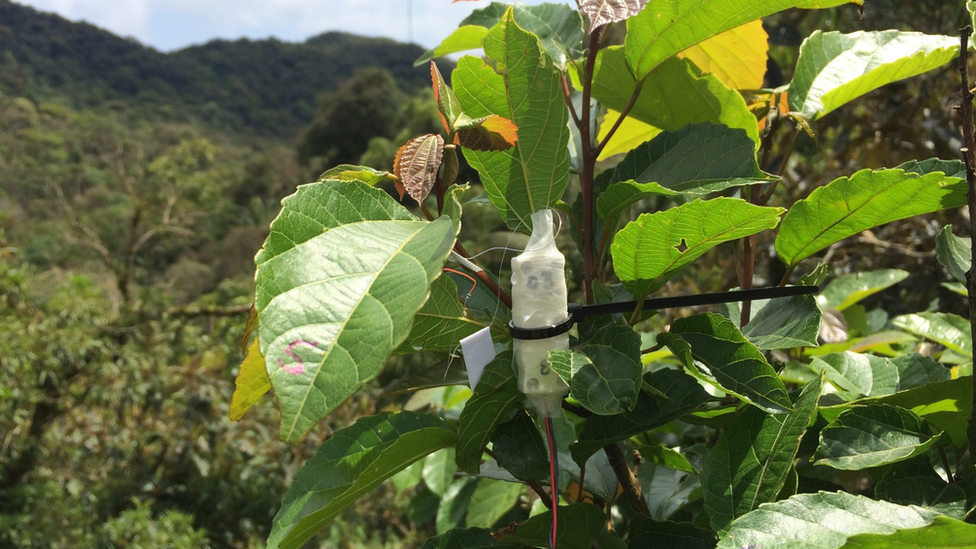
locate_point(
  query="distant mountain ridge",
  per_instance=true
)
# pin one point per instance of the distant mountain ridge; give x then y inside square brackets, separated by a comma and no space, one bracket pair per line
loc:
[265,86]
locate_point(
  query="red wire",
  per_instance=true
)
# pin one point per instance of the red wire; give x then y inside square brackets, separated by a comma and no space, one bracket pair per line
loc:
[553,482]
[474,283]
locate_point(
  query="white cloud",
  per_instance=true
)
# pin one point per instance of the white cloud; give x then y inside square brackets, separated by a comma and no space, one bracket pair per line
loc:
[172,24]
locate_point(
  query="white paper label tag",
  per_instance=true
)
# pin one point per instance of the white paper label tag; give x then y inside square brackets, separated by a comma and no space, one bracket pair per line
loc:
[478,351]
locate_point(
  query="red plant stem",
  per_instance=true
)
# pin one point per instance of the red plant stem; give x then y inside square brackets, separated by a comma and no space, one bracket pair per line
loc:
[969,155]
[568,95]
[484,278]
[623,114]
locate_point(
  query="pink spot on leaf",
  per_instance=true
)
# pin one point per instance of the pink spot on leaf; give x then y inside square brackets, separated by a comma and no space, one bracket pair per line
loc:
[295,369]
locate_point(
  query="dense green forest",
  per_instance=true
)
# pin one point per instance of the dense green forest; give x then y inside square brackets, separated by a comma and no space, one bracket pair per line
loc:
[136,187]
[265,87]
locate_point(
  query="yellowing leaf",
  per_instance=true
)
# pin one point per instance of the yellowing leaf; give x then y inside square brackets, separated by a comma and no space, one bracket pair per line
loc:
[252,383]
[489,133]
[632,132]
[737,57]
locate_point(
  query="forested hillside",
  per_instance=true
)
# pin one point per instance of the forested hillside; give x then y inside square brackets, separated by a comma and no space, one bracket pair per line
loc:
[267,87]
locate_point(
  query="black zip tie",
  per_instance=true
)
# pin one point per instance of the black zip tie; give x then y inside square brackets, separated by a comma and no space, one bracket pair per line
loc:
[577,310]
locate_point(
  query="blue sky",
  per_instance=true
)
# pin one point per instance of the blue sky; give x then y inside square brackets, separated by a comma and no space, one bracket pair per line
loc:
[173,24]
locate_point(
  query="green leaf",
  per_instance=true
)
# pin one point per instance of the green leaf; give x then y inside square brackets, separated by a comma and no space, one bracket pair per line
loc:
[915,482]
[951,330]
[751,462]
[820,521]
[951,168]
[666,490]
[440,324]
[645,532]
[464,38]
[711,348]
[648,251]
[577,525]
[859,375]
[954,253]
[834,68]
[786,323]
[604,380]
[352,462]
[662,455]
[849,205]
[674,95]
[493,400]
[684,395]
[332,240]
[533,174]
[467,538]
[846,290]
[665,27]
[251,384]
[871,436]
[697,159]
[944,405]
[448,104]
[518,447]
[439,469]
[454,504]
[490,501]
[943,533]
[558,27]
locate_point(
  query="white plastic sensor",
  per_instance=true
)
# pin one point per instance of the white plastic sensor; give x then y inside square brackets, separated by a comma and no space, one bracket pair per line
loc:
[539,301]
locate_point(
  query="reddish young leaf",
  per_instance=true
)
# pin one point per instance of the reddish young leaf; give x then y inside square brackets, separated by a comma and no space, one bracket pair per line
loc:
[602,12]
[448,105]
[416,165]
[491,133]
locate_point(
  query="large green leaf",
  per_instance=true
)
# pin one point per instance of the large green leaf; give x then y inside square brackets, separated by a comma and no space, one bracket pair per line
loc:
[338,282]
[665,27]
[684,394]
[943,533]
[697,159]
[533,174]
[857,375]
[785,324]
[454,504]
[490,500]
[577,525]
[674,95]
[494,398]
[602,379]
[645,532]
[666,490]
[467,538]
[955,253]
[439,469]
[713,349]
[945,405]
[559,28]
[518,447]
[350,463]
[440,324]
[464,38]
[820,521]
[751,462]
[846,290]
[649,250]
[834,68]
[915,482]
[849,205]
[871,436]
[951,330]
